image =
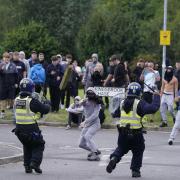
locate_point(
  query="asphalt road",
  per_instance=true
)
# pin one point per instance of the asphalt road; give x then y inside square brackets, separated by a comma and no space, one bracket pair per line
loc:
[64,160]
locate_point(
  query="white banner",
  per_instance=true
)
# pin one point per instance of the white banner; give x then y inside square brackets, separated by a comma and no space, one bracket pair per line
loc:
[110,91]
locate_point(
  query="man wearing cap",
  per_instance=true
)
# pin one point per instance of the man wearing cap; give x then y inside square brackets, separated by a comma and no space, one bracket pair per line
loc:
[32,60]
[169,90]
[112,66]
[44,64]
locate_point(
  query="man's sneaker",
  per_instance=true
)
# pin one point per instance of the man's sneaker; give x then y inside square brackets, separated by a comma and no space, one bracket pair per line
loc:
[91,153]
[163,124]
[28,169]
[93,157]
[98,152]
[136,174]
[112,165]
[36,168]
[68,127]
[170,142]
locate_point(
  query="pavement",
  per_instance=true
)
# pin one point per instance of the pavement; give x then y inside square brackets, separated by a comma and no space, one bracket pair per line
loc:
[9,150]
[64,160]
[9,153]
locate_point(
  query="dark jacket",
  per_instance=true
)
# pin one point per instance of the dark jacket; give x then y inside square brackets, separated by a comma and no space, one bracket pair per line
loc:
[177,75]
[52,79]
[96,78]
[137,72]
[73,83]
[8,77]
[120,75]
[32,62]
[20,68]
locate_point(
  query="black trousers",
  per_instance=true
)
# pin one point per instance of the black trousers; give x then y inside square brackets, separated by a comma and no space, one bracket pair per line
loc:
[33,150]
[38,88]
[135,143]
[75,118]
[55,98]
[66,93]
[148,96]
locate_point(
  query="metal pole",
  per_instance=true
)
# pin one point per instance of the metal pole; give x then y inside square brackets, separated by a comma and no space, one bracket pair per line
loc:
[164,28]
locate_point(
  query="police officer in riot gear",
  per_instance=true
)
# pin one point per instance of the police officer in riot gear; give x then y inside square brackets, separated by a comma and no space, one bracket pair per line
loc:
[27,110]
[130,128]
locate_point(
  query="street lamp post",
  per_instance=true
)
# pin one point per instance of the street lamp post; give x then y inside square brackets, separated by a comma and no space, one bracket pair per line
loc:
[164,28]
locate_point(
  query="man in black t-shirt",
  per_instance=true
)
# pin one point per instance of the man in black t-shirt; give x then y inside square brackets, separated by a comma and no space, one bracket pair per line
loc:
[108,80]
[20,66]
[120,74]
[112,65]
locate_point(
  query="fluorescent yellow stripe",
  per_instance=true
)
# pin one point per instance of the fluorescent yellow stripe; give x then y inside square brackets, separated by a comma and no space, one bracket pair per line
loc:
[24,122]
[25,116]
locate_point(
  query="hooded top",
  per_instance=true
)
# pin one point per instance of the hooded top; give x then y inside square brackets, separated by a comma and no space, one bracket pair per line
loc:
[37,74]
[91,113]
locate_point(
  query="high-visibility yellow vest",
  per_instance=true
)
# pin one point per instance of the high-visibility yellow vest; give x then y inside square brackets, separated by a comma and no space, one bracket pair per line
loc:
[131,118]
[23,114]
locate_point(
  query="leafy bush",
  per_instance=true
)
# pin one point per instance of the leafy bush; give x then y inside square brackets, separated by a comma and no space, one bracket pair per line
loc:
[33,36]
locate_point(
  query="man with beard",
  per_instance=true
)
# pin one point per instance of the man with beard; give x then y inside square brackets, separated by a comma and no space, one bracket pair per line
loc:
[169,90]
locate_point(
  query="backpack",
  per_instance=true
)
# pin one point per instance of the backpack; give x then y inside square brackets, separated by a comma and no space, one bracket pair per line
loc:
[37,74]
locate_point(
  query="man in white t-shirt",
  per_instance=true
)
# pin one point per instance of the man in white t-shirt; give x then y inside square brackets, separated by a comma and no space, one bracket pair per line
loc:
[149,76]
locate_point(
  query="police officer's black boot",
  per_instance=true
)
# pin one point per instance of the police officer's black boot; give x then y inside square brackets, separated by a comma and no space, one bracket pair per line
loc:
[36,168]
[136,173]
[112,164]
[28,169]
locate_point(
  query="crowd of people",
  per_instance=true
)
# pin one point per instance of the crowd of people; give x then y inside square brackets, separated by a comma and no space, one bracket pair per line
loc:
[21,79]
[48,75]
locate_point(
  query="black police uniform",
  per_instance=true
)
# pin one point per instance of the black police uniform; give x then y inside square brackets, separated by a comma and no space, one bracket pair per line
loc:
[132,139]
[30,136]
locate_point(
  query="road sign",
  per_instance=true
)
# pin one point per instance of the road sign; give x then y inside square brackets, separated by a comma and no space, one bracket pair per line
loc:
[110,91]
[165,38]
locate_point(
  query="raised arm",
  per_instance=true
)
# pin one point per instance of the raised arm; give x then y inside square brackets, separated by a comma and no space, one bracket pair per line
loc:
[146,108]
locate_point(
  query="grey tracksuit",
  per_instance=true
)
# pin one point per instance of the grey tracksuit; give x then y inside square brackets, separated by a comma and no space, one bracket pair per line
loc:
[176,126]
[167,101]
[91,125]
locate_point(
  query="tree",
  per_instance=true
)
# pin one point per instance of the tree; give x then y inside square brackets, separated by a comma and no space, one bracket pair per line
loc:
[33,36]
[62,18]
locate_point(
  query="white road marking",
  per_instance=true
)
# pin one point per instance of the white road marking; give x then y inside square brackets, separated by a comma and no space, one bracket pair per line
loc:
[12,145]
[68,147]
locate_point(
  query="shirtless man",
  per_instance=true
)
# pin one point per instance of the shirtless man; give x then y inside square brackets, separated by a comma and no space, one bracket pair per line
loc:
[169,90]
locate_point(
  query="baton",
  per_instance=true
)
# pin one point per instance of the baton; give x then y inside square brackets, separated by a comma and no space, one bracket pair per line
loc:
[149,87]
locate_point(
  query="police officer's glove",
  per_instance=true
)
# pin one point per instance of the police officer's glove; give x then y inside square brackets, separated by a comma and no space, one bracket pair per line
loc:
[36,96]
